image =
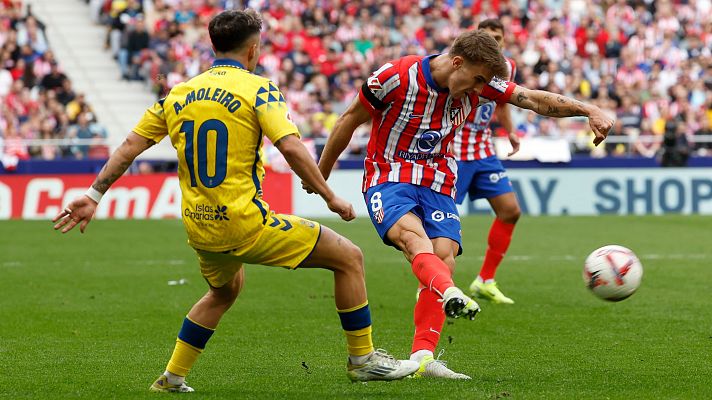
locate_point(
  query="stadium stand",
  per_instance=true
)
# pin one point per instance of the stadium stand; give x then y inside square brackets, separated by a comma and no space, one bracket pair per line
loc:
[650,62]
[39,103]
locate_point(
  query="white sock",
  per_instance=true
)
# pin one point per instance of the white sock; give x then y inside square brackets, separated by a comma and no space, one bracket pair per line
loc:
[489,281]
[418,355]
[174,379]
[480,280]
[359,360]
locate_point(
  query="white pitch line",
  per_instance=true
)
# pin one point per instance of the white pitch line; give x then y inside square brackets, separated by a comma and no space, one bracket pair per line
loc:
[573,258]
[157,262]
[16,263]
[569,257]
[12,264]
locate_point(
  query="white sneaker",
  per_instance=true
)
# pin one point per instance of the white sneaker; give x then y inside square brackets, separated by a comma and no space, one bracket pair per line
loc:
[432,368]
[456,304]
[381,366]
[161,385]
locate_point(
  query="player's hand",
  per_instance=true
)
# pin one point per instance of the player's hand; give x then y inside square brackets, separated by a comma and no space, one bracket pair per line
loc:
[342,207]
[600,124]
[514,141]
[78,212]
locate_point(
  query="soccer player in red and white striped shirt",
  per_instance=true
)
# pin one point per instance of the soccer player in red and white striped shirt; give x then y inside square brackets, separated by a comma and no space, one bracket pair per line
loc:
[481,174]
[417,105]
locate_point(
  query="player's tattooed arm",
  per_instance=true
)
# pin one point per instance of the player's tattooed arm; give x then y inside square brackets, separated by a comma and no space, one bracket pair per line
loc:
[556,105]
[549,104]
[121,160]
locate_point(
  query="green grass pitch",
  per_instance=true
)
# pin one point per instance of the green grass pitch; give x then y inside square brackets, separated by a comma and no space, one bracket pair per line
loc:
[92,316]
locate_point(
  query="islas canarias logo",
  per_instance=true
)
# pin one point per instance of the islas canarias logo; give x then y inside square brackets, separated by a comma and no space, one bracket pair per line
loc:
[207,212]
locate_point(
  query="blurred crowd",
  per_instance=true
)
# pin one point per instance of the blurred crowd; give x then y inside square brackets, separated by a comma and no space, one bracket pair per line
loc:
[37,100]
[647,61]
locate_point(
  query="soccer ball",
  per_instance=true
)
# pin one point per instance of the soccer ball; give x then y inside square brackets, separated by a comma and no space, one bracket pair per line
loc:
[612,272]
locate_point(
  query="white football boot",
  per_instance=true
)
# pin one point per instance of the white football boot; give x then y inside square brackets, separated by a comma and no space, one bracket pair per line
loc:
[456,304]
[381,366]
[162,385]
[432,368]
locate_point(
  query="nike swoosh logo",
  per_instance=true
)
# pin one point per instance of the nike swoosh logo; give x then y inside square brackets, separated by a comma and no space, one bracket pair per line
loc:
[411,116]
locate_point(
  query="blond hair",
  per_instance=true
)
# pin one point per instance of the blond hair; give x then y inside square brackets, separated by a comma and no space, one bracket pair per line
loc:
[479,47]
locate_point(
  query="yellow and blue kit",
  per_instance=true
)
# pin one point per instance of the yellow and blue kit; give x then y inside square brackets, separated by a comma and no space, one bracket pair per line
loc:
[216,122]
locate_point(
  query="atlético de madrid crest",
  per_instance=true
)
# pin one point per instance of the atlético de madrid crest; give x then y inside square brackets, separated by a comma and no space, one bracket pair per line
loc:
[457,116]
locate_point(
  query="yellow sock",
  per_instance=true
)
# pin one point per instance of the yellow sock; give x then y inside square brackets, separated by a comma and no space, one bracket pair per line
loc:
[359,342]
[356,322]
[191,341]
[183,358]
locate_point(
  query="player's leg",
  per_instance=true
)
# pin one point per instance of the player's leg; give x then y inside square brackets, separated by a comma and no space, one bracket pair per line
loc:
[393,208]
[428,315]
[494,185]
[429,319]
[408,234]
[442,224]
[338,254]
[507,213]
[293,242]
[225,277]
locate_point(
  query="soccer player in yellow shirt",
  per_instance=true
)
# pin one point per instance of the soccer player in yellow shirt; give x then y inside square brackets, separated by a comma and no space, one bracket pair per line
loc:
[216,122]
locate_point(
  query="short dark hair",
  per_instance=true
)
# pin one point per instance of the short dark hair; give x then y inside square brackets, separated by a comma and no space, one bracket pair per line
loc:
[230,29]
[479,47]
[492,23]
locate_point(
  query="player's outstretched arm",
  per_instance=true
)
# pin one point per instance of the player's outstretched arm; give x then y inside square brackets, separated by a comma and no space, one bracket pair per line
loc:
[81,209]
[556,105]
[341,135]
[304,166]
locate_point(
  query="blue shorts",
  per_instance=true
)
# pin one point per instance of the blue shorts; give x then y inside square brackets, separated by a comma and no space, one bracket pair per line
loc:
[389,201]
[482,179]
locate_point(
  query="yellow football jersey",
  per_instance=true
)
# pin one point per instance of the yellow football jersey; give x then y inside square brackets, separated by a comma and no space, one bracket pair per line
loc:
[216,121]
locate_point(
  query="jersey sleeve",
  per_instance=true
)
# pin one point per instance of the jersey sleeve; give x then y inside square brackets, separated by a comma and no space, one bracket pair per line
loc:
[380,88]
[498,90]
[273,114]
[153,123]
[512,69]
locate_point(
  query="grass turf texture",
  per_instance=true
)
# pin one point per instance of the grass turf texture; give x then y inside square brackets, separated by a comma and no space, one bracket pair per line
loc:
[92,316]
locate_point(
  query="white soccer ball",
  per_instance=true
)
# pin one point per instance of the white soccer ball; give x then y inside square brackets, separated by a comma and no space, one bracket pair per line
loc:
[612,272]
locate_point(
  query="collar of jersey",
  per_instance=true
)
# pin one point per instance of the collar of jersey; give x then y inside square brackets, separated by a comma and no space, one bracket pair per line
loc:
[227,62]
[428,76]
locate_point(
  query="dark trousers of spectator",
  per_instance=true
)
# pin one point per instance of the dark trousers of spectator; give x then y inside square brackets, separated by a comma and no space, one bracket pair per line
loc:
[129,69]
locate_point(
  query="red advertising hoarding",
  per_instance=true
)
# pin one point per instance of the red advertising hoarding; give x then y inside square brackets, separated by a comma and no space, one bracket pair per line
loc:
[132,196]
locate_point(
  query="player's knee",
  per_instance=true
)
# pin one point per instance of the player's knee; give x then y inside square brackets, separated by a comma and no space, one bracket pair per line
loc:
[226,295]
[412,243]
[448,258]
[450,261]
[353,260]
[510,214]
[224,298]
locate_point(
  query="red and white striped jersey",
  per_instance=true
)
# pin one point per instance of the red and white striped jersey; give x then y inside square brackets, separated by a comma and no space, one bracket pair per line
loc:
[475,139]
[413,124]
